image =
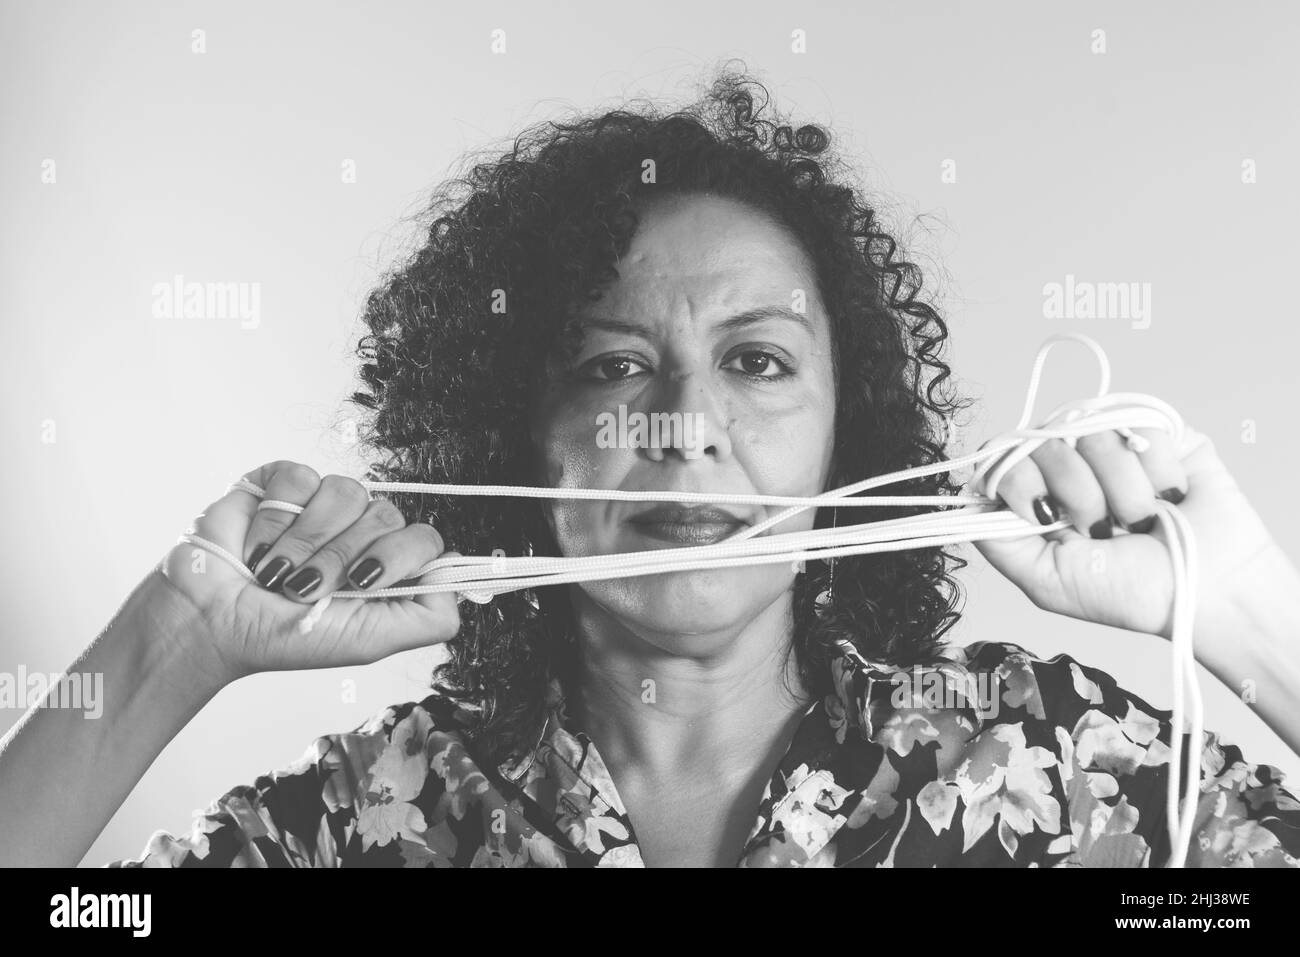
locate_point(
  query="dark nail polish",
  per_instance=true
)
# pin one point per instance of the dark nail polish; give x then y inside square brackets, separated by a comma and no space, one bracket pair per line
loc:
[1045,510]
[1144,526]
[1174,495]
[256,557]
[269,577]
[1102,528]
[303,582]
[366,574]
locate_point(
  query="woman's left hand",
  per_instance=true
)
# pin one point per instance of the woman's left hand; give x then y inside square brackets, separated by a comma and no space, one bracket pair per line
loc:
[1093,572]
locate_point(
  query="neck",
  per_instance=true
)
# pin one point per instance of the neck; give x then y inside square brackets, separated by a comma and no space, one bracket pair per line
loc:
[658,715]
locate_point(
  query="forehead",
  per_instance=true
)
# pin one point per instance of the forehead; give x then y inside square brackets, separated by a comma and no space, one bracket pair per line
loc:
[714,252]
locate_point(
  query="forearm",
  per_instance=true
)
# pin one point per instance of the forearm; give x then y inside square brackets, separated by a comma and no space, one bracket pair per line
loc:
[63,774]
[1253,646]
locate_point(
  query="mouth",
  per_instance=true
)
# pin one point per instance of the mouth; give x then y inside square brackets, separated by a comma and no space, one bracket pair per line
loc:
[687,525]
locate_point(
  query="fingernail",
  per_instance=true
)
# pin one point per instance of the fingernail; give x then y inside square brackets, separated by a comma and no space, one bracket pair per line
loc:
[270,576]
[1045,510]
[256,557]
[303,581]
[1174,495]
[1143,526]
[1101,529]
[366,573]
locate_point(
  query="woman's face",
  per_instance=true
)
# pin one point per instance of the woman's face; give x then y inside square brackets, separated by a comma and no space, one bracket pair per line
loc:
[715,317]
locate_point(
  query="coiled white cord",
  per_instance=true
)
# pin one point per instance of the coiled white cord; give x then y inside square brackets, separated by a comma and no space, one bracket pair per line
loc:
[980,516]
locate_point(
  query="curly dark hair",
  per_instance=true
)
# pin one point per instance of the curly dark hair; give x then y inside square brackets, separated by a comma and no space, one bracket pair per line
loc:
[448,378]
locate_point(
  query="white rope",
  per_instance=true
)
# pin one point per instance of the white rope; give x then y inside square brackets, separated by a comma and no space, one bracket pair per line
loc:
[979,516]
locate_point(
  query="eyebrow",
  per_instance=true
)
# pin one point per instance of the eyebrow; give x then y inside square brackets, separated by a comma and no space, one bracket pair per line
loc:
[762,313]
[747,318]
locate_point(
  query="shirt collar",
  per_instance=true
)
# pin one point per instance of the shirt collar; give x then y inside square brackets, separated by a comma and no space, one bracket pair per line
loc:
[869,691]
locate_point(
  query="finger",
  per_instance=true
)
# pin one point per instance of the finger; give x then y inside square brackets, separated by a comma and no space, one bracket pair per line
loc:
[1163,466]
[1071,482]
[336,504]
[396,557]
[326,570]
[225,522]
[282,482]
[1129,495]
[442,604]
[386,627]
[1024,491]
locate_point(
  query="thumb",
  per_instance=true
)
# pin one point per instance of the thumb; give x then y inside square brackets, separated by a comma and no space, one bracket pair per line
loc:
[1200,459]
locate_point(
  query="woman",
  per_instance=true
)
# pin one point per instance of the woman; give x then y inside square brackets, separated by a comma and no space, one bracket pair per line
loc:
[703,263]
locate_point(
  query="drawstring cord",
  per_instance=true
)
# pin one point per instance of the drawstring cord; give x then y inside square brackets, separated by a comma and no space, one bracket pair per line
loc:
[978,516]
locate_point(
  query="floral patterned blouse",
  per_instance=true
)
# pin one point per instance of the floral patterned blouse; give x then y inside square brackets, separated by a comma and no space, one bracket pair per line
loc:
[985,757]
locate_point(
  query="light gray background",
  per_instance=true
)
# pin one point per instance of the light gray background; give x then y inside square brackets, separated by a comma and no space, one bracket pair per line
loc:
[225,166]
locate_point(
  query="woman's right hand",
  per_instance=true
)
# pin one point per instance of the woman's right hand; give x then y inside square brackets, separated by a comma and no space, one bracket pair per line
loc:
[342,540]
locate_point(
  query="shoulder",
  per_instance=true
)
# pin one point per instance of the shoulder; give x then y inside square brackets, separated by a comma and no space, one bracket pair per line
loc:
[345,793]
[1060,712]
[1060,690]
[437,710]
[1078,710]
[394,748]
[1112,750]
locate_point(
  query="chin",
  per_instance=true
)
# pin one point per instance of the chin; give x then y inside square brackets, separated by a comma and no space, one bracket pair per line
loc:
[679,605]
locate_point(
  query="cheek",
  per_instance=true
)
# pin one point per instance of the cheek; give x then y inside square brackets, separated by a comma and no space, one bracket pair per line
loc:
[568,462]
[571,459]
[786,454]
[563,446]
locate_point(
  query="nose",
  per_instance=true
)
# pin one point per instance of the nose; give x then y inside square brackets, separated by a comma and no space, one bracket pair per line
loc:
[695,420]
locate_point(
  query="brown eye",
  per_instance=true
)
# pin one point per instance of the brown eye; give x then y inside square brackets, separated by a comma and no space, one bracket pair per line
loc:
[760,364]
[612,368]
